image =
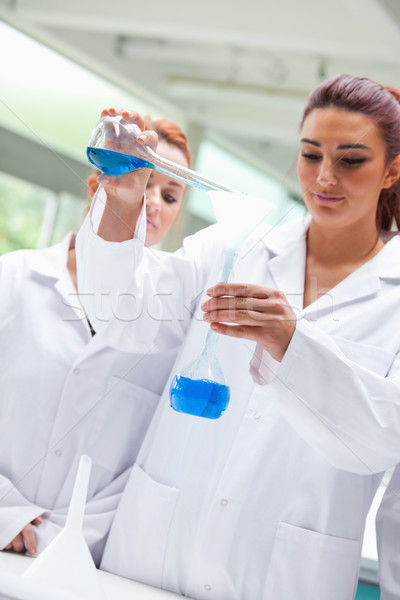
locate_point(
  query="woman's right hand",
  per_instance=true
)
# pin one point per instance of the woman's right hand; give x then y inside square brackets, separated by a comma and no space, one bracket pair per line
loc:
[130,186]
[125,192]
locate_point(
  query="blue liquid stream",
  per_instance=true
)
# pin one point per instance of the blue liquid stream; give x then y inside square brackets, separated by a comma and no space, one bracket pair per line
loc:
[115,163]
[199,397]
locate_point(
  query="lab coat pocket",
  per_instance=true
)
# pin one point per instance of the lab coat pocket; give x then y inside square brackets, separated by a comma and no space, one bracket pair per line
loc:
[123,415]
[309,565]
[138,538]
[370,357]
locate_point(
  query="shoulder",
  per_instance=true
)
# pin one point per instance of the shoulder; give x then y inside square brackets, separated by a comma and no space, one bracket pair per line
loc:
[47,261]
[16,261]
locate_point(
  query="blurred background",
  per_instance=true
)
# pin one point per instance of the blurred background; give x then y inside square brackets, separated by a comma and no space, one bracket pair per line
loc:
[234,76]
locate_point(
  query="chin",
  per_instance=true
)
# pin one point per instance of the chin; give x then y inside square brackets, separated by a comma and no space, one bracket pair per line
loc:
[151,240]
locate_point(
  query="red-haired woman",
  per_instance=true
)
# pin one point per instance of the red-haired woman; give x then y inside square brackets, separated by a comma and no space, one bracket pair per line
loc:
[61,384]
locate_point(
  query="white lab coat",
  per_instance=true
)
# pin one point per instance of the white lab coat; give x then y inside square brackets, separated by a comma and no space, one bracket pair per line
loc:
[388,539]
[244,507]
[62,393]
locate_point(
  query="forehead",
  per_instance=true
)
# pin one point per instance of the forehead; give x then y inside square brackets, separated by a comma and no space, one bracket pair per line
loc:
[171,152]
[336,126]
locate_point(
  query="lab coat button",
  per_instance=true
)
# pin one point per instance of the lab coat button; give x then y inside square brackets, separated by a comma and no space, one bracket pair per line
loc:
[58,452]
[224,502]
[257,416]
[207,587]
[76,371]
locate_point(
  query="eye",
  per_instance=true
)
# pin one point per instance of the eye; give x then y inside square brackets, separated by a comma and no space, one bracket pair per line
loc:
[169,198]
[310,156]
[351,162]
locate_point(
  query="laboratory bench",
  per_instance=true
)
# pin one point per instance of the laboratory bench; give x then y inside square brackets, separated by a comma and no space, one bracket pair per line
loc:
[14,565]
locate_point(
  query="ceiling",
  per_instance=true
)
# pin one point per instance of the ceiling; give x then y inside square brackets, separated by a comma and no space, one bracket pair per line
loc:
[237,71]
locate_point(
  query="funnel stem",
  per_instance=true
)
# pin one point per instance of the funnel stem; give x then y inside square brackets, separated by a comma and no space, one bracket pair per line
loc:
[79,495]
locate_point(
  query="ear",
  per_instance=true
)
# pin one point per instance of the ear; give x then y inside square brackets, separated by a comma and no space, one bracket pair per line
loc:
[392,173]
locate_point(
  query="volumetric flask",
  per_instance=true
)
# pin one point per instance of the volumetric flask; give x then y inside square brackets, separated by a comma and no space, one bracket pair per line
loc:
[200,388]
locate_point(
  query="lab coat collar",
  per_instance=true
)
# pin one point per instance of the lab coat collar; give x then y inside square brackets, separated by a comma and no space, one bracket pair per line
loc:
[51,262]
[287,247]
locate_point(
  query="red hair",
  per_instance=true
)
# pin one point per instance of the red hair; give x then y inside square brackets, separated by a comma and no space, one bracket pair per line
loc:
[167,131]
[382,104]
[171,134]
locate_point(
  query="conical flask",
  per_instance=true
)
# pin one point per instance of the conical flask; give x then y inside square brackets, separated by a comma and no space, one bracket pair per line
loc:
[66,563]
[113,149]
[200,388]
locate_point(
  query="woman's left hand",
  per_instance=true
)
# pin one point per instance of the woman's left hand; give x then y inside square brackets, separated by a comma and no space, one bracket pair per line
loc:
[252,312]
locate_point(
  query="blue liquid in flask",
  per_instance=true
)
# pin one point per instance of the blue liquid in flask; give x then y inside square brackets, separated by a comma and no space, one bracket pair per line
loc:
[114,163]
[199,397]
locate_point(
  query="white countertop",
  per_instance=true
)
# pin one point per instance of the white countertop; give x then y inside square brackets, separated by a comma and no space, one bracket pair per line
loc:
[13,585]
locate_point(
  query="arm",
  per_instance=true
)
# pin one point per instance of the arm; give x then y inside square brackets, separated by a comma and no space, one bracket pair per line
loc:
[25,540]
[17,517]
[99,513]
[344,409]
[16,512]
[347,410]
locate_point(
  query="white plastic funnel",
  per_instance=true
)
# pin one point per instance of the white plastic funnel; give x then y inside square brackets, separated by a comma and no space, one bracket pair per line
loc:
[66,563]
[237,215]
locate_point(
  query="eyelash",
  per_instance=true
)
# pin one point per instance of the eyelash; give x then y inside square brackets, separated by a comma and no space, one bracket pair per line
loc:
[350,162]
[169,199]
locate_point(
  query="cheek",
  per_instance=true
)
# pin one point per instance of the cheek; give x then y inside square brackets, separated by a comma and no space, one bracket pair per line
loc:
[306,175]
[169,214]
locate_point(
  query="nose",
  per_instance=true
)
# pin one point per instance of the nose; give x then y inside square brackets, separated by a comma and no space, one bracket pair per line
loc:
[153,199]
[326,176]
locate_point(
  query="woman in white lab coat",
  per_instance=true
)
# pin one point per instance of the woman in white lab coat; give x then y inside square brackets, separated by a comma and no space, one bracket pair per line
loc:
[270,500]
[63,391]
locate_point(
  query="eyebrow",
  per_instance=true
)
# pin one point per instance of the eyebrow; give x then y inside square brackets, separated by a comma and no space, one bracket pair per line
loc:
[176,183]
[341,147]
[173,182]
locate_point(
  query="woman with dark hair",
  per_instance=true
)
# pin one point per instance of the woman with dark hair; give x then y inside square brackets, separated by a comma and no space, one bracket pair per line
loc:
[270,500]
[63,390]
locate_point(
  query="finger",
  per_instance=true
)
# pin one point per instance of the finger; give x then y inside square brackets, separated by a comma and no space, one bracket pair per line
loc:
[241,289]
[127,116]
[148,138]
[29,539]
[237,303]
[240,317]
[237,331]
[18,544]
[37,521]
[114,110]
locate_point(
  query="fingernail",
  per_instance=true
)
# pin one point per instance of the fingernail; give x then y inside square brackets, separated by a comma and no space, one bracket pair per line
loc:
[142,137]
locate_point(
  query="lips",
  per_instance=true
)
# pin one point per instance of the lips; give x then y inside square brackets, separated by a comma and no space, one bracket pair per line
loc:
[327,198]
[150,222]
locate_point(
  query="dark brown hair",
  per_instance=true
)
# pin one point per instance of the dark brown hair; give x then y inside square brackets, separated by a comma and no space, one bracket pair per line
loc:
[382,104]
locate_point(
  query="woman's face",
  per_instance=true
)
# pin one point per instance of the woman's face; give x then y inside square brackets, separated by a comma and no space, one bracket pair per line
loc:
[342,167]
[163,196]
